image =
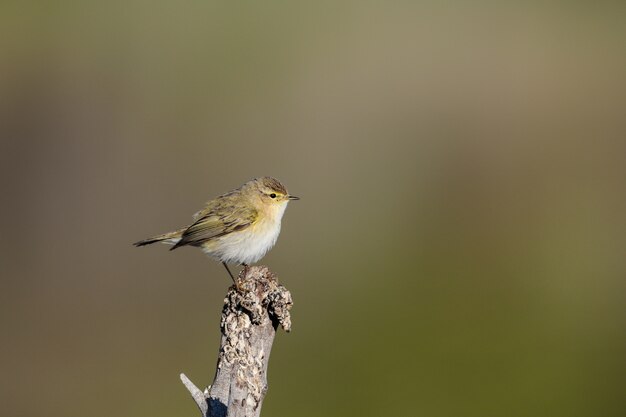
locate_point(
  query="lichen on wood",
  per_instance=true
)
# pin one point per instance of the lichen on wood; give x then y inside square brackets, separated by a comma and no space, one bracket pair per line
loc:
[251,315]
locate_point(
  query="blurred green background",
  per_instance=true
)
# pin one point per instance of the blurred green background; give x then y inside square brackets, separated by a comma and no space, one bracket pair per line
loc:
[458,249]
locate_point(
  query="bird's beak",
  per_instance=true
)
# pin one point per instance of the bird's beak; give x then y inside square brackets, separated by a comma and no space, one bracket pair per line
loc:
[293,197]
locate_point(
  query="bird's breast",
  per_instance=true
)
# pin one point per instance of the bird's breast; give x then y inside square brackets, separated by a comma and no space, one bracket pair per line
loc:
[250,244]
[246,246]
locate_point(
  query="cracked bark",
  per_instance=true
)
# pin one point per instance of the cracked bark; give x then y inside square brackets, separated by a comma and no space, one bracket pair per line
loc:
[250,318]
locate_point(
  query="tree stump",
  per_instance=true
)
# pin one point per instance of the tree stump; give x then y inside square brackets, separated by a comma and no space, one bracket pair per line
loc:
[250,318]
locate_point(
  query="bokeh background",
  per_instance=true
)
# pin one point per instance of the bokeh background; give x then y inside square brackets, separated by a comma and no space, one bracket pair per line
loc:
[458,249]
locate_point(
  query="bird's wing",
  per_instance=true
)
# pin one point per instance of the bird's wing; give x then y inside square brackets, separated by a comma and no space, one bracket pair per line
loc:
[214,204]
[219,218]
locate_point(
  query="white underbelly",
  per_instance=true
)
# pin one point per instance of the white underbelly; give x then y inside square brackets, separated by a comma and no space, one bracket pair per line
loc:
[246,246]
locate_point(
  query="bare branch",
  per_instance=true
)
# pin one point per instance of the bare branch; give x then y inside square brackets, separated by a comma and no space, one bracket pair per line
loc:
[198,396]
[250,317]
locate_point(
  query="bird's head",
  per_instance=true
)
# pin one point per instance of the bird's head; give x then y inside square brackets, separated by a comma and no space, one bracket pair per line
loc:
[269,191]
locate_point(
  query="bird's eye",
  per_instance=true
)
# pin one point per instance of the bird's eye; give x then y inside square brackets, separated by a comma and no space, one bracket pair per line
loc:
[273,195]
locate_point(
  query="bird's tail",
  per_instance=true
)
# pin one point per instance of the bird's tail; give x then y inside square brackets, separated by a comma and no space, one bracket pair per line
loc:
[170,238]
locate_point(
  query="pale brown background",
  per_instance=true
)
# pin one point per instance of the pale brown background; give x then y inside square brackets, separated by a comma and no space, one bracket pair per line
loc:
[458,249]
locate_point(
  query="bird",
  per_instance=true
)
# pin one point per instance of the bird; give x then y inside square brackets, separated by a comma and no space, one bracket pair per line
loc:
[238,227]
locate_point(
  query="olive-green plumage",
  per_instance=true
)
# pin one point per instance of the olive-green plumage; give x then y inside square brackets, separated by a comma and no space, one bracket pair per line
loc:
[220,217]
[238,227]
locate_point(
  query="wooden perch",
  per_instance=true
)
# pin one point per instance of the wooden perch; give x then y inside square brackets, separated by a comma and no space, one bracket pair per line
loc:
[250,317]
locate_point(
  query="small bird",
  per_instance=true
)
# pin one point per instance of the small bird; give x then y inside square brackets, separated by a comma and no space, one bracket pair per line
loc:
[237,227]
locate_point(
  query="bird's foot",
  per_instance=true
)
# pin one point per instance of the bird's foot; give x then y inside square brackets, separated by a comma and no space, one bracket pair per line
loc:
[239,285]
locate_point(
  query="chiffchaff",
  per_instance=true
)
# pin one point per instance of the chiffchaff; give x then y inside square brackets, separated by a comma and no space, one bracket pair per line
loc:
[236,227]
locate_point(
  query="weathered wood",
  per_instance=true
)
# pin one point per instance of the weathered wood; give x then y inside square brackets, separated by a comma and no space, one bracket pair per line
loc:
[250,317]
